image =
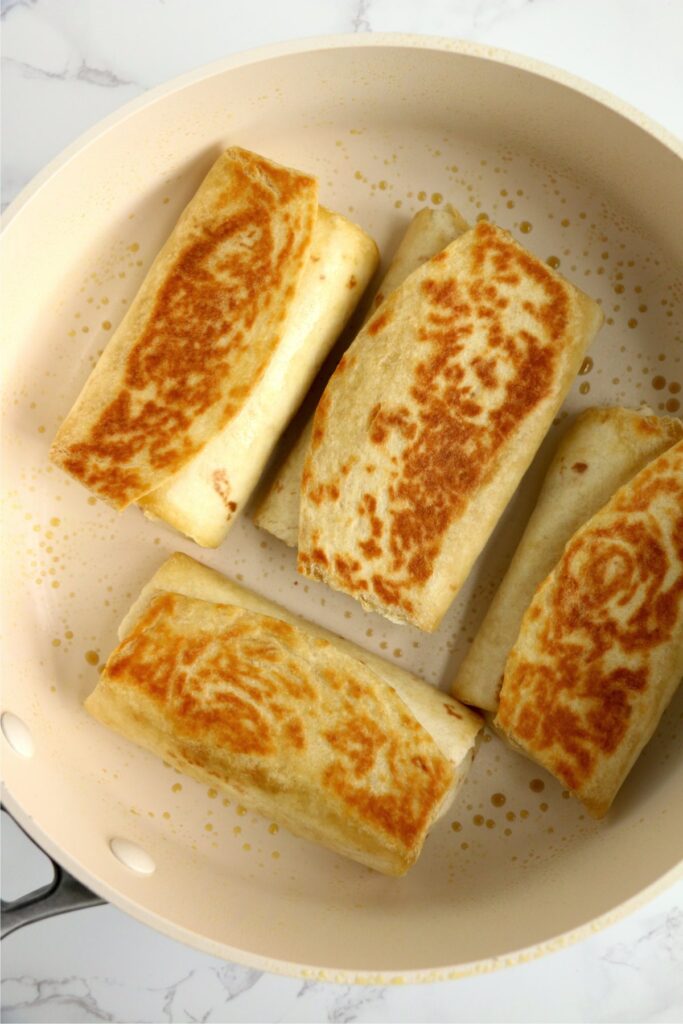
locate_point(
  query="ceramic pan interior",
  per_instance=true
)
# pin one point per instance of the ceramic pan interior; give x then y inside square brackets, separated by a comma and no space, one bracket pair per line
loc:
[388,124]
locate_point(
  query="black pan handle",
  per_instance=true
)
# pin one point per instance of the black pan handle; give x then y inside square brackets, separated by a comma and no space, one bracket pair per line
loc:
[62,894]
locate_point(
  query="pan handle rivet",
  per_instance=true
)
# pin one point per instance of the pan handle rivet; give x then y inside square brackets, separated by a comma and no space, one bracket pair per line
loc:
[132,856]
[17,734]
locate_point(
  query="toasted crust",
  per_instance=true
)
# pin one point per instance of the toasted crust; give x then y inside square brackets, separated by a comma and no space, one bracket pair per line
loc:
[285,716]
[199,334]
[210,491]
[602,451]
[600,650]
[430,420]
[429,232]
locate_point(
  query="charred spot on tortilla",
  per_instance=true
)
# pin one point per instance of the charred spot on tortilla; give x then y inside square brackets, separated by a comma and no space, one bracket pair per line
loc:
[476,349]
[614,444]
[191,384]
[332,742]
[600,650]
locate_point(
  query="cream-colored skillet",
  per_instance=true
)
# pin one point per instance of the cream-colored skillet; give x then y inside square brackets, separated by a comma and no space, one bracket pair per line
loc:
[515,870]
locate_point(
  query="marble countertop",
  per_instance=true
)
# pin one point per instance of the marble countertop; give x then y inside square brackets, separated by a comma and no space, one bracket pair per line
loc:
[68,63]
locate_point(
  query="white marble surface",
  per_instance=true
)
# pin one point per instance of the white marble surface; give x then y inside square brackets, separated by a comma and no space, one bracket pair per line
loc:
[66,64]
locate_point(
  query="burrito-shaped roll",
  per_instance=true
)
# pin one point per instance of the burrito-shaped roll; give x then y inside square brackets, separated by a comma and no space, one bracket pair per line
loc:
[429,232]
[218,348]
[431,419]
[601,452]
[329,741]
[600,650]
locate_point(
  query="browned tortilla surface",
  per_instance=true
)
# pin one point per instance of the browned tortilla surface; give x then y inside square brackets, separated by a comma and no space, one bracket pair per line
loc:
[600,650]
[299,728]
[430,420]
[199,333]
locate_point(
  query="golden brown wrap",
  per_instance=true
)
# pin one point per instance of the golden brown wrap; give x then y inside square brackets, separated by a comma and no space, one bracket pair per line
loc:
[602,450]
[600,650]
[330,741]
[429,232]
[218,348]
[431,419]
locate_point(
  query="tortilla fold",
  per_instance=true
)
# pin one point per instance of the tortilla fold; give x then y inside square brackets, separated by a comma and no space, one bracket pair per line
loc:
[233,303]
[601,451]
[431,419]
[308,729]
[600,650]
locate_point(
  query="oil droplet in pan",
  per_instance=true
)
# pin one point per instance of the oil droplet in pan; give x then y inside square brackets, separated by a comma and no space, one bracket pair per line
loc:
[658,383]
[537,785]
[525,227]
[92,657]
[498,799]
[586,366]
[584,388]
[553,261]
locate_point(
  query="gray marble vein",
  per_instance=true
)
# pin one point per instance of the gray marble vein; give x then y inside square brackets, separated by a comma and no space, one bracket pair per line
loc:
[668,936]
[361,22]
[7,5]
[83,73]
[352,1002]
[22,997]
[200,995]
